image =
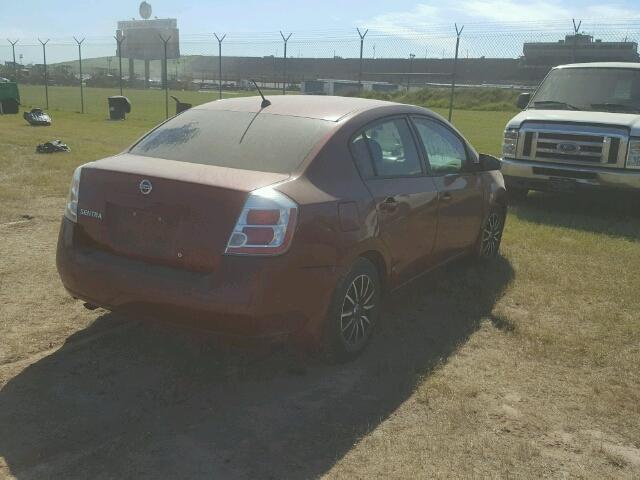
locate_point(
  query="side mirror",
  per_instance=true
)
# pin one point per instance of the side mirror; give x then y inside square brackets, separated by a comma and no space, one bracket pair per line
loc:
[523,100]
[488,163]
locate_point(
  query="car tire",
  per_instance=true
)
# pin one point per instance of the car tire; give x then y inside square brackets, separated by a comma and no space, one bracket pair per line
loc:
[488,245]
[517,194]
[353,312]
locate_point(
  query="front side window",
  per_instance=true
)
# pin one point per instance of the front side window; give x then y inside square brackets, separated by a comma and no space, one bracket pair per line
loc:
[445,151]
[386,149]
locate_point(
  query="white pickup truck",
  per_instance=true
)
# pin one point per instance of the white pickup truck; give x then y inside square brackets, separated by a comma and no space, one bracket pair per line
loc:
[580,129]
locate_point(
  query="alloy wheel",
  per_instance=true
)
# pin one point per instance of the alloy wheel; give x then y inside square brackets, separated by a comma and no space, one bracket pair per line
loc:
[357,308]
[491,235]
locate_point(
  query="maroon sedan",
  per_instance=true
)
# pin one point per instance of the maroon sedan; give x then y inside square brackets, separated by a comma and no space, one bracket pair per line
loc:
[282,219]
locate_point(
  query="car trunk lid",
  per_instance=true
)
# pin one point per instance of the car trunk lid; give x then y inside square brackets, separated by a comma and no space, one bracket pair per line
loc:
[162,211]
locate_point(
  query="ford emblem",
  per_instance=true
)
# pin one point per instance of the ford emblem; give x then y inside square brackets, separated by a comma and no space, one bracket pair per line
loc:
[568,147]
[145,187]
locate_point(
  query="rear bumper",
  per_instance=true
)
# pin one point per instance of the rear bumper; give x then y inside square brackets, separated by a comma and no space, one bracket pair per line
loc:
[540,176]
[243,296]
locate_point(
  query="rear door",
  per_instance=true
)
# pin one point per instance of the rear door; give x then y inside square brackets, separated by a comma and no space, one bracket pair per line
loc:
[460,188]
[406,198]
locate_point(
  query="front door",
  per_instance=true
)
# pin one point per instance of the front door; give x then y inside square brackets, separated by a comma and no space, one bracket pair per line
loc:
[406,199]
[460,189]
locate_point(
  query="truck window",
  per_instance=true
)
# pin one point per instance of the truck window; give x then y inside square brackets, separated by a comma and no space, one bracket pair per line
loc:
[586,88]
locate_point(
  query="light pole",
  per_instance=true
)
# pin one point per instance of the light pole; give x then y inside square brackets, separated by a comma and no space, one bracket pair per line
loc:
[119,40]
[165,79]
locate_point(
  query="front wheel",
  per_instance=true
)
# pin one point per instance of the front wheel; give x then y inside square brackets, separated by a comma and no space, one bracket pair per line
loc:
[354,311]
[491,234]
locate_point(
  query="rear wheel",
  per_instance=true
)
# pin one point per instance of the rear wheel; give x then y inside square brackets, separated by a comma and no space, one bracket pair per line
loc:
[491,234]
[354,311]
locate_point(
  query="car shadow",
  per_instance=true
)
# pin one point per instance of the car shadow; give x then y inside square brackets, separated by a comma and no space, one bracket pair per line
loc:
[612,213]
[157,402]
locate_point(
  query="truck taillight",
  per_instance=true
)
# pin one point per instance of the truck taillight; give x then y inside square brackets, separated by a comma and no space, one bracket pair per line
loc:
[265,225]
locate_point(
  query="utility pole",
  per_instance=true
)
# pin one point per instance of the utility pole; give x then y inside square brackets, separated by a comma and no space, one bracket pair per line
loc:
[220,39]
[46,80]
[15,65]
[362,35]
[79,42]
[284,83]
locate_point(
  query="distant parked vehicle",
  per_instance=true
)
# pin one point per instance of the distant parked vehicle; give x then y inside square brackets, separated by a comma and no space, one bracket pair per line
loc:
[289,217]
[9,98]
[580,129]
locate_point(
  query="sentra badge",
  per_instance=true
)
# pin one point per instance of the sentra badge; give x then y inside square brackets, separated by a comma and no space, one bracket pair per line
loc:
[90,213]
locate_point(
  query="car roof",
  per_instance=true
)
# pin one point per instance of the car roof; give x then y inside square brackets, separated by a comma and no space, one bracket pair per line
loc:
[602,65]
[319,107]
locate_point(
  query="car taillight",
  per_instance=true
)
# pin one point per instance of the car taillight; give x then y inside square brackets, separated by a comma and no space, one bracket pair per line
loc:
[71,208]
[265,225]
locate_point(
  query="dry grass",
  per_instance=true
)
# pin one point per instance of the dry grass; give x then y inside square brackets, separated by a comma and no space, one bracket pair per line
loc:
[550,377]
[527,367]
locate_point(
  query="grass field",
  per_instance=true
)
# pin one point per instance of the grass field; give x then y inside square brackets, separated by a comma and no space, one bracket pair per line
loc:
[525,367]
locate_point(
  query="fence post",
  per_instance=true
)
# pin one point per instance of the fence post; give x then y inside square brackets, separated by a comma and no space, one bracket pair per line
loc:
[362,35]
[576,29]
[165,80]
[119,41]
[284,83]
[15,65]
[411,57]
[220,39]
[46,81]
[79,42]
[455,68]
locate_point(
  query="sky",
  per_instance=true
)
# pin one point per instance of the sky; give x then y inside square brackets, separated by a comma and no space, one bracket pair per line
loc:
[260,20]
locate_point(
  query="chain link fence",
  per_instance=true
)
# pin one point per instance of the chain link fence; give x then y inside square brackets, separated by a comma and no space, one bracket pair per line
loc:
[378,60]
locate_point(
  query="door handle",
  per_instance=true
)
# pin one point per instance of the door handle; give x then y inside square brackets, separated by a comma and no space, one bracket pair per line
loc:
[446,196]
[390,203]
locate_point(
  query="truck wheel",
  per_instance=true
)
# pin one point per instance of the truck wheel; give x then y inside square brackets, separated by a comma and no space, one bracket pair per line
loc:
[353,312]
[516,194]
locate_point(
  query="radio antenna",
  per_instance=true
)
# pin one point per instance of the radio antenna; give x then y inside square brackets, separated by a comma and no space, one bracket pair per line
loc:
[265,102]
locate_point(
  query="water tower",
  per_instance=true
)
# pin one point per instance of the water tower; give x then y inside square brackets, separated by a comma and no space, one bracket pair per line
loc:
[143,40]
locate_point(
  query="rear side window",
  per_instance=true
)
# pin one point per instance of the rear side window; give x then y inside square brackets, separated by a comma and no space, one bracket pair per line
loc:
[244,140]
[386,149]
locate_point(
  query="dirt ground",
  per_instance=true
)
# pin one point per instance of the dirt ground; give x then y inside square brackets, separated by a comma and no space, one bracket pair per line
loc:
[448,389]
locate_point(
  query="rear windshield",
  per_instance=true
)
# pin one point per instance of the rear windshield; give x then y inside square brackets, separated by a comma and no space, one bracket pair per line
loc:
[244,140]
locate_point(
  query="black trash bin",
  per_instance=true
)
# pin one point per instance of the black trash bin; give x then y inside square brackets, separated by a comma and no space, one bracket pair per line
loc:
[118,107]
